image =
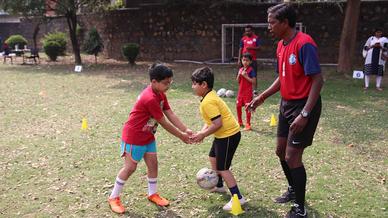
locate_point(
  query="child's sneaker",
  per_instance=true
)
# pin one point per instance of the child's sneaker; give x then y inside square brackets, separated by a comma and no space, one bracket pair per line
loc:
[156,199]
[218,189]
[247,127]
[228,206]
[115,205]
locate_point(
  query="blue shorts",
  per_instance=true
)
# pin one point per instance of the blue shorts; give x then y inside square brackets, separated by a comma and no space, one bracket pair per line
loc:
[137,151]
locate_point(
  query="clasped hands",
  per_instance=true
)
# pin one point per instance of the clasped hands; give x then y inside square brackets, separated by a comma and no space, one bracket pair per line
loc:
[189,137]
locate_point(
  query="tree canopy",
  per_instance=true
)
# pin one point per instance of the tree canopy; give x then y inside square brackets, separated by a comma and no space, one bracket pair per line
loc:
[65,8]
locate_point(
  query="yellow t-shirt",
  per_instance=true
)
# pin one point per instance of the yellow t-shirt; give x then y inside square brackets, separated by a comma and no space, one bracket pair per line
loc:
[212,107]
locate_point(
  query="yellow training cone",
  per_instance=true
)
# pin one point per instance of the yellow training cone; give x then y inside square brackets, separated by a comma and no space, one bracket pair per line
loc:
[84,125]
[236,206]
[273,121]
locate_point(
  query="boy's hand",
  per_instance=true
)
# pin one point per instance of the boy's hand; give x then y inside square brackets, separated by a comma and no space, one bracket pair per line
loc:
[185,138]
[189,132]
[197,137]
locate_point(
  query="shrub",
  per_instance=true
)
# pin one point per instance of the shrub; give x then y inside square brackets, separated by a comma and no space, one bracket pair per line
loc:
[130,52]
[52,49]
[58,37]
[93,43]
[16,40]
[117,5]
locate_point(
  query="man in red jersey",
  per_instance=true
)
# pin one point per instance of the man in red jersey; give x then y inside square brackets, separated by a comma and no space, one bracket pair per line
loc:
[249,43]
[299,82]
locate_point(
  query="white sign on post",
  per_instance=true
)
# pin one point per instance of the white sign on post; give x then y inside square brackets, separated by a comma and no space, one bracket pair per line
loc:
[357,74]
[78,68]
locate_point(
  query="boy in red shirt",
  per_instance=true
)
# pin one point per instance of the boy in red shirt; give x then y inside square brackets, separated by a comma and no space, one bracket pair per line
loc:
[246,78]
[138,139]
[250,43]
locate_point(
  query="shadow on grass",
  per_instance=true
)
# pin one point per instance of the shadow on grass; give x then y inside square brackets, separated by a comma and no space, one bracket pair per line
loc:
[131,214]
[313,213]
[163,212]
[249,211]
[264,132]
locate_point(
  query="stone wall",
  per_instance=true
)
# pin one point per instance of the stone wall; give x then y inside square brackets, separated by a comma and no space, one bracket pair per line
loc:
[193,32]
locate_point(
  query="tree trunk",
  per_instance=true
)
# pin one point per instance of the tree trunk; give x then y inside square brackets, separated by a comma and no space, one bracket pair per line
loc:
[71,18]
[35,33]
[348,36]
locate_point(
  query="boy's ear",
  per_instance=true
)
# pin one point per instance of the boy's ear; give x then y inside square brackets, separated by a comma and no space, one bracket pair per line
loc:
[204,84]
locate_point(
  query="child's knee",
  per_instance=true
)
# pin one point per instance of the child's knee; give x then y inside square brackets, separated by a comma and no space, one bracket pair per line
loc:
[130,167]
[223,172]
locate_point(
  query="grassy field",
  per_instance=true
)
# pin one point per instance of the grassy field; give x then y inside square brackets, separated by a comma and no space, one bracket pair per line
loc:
[50,168]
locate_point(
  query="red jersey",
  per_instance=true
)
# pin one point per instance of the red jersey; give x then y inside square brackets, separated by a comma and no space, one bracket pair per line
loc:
[246,41]
[244,86]
[297,60]
[148,108]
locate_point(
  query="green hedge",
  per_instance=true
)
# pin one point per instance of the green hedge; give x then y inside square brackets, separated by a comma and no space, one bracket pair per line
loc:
[16,40]
[93,43]
[130,52]
[52,49]
[59,38]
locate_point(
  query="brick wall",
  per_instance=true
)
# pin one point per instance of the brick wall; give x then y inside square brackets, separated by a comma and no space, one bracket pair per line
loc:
[194,31]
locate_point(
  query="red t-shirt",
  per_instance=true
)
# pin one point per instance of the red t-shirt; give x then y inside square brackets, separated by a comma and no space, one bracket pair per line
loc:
[249,42]
[244,86]
[297,61]
[148,108]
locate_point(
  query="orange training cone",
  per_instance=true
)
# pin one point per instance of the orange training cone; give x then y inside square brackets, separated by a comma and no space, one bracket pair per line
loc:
[236,206]
[273,121]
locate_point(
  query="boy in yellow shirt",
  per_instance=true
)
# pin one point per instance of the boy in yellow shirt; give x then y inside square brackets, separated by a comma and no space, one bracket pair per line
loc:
[220,122]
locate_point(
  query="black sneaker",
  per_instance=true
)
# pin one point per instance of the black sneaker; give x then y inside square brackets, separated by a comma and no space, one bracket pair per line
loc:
[296,212]
[287,196]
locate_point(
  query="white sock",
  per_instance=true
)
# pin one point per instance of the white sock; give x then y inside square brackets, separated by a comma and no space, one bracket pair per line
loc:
[366,81]
[117,188]
[378,81]
[152,186]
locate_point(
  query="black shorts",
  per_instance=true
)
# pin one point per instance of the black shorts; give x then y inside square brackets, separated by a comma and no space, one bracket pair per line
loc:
[223,150]
[288,111]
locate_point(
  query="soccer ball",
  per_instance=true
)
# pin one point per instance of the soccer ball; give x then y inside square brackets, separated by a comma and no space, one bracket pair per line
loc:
[229,94]
[221,92]
[207,178]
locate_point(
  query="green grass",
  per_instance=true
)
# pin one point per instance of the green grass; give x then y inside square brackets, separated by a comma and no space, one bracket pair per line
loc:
[50,168]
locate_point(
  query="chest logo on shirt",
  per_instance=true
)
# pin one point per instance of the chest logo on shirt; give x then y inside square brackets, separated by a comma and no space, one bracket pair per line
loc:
[292,59]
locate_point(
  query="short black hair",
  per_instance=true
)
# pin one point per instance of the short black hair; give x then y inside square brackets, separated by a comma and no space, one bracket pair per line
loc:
[159,72]
[377,30]
[284,11]
[203,74]
[249,26]
[247,55]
